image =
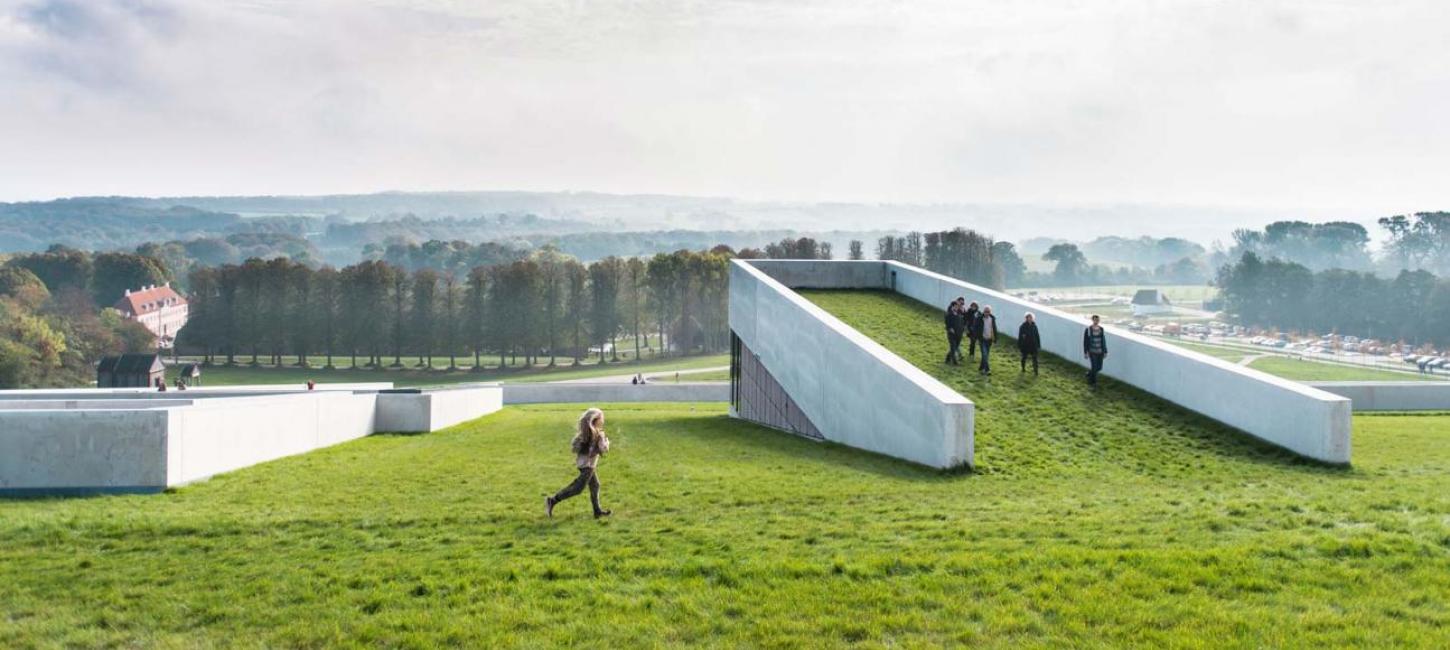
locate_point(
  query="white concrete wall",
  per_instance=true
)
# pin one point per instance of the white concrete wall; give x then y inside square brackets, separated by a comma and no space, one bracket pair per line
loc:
[83,451]
[1291,415]
[1391,395]
[855,391]
[221,435]
[581,393]
[136,443]
[434,409]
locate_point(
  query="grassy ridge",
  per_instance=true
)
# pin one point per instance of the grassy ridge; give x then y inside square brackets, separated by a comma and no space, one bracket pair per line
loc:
[1053,422]
[1301,370]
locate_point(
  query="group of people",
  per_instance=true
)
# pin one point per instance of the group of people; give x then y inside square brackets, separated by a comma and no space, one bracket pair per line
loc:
[978,325]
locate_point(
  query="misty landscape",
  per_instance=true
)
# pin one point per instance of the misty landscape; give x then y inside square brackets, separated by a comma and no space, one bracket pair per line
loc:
[930,324]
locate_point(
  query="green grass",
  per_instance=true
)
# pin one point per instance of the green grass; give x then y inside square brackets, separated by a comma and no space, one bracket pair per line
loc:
[1302,370]
[219,375]
[1219,352]
[1097,518]
[728,534]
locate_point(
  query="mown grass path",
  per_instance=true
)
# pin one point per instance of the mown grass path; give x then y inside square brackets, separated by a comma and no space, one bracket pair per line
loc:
[727,534]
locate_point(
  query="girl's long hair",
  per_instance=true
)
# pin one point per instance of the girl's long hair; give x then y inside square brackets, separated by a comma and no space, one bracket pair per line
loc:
[588,436]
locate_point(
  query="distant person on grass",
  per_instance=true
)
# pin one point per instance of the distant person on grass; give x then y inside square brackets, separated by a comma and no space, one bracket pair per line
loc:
[986,330]
[588,445]
[1029,342]
[1095,348]
[973,313]
[956,322]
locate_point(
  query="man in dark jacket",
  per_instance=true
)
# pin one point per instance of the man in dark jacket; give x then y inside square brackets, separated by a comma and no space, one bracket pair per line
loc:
[1095,348]
[973,313]
[956,322]
[1029,342]
[985,330]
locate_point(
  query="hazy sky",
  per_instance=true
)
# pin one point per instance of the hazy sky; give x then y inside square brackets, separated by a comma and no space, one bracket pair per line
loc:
[1260,103]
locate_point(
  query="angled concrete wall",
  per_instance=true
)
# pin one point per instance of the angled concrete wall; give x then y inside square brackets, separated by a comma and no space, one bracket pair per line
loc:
[853,390]
[1294,416]
[1391,395]
[82,451]
[545,393]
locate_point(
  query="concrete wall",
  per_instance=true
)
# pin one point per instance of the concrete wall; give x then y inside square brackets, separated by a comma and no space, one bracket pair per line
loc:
[82,451]
[53,443]
[434,409]
[216,436]
[606,393]
[852,389]
[1291,415]
[1391,395]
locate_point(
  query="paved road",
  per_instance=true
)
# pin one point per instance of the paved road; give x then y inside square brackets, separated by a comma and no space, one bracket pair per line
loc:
[656,377]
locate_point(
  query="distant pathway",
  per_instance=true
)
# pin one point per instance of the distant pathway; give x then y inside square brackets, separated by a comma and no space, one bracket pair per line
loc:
[657,377]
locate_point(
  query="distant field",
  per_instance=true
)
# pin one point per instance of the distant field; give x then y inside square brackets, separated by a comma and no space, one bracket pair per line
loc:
[243,374]
[1194,293]
[1227,354]
[1301,370]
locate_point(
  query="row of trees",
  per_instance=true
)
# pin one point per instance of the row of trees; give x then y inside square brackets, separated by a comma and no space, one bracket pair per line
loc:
[546,305]
[1413,307]
[959,253]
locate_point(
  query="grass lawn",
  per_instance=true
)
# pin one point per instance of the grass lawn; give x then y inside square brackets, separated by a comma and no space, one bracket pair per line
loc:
[1302,370]
[730,534]
[242,374]
[1227,354]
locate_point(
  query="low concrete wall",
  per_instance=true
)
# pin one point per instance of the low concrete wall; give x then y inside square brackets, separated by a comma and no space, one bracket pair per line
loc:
[216,436]
[82,451]
[51,442]
[605,393]
[1294,416]
[1391,395]
[434,409]
[853,390]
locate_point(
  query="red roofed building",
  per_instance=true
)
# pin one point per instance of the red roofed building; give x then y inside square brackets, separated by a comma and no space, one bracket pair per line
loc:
[160,309]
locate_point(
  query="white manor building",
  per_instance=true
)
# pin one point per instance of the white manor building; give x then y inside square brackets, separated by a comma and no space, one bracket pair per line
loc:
[160,308]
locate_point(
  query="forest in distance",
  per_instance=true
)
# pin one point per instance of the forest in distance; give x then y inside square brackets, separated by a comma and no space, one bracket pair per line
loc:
[519,286]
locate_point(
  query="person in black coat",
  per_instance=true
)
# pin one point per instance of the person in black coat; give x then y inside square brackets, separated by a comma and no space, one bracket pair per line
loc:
[1029,342]
[956,324]
[1095,348]
[986,334]
[973,313]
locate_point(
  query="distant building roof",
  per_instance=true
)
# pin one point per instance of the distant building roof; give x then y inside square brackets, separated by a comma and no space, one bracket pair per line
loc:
[190,370]
[134,363]
[1150,297]
[148,299]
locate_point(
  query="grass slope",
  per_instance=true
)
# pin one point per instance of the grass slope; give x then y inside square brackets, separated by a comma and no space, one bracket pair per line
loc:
[728,534]
[244,374]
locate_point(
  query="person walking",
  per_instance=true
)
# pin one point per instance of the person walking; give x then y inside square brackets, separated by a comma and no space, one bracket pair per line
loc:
[1095,348]
[973,313]
[588,445]
[1029,341]
[986,336]
[956,324]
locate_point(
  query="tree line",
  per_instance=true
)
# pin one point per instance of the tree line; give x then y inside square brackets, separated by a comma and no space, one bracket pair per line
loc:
[547,305]
[1413,307]
[959,253]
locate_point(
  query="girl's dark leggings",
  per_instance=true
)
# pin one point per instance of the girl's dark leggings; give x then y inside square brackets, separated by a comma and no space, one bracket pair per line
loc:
[588,477]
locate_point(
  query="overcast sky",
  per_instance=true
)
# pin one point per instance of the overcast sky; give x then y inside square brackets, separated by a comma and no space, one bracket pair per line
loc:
[1261,103]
